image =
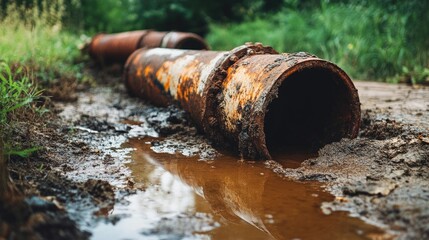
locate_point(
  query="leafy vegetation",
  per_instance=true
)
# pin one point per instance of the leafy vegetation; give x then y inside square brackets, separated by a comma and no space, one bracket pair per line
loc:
[164,15]
[34,38]
[380,40]
[367,40]
[34,53]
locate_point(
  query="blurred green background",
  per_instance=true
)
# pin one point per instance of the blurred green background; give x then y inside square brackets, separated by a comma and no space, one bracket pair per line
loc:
[385,40]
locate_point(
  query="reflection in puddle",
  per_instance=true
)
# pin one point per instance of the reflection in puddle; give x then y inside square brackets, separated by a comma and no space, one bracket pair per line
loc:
[225,198]
[164,210]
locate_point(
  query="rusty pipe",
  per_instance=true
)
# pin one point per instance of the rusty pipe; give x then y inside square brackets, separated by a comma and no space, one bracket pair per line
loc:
[251,98]
[116,48]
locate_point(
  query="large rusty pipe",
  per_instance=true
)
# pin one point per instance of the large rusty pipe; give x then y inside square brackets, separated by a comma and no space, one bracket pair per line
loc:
[116,48]
[252,96]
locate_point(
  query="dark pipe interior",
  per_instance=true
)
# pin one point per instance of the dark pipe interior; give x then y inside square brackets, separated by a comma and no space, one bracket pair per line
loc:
[312,109]
[192,44]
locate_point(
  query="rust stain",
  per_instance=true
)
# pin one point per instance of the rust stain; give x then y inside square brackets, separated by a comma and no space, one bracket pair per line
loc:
[251,97]
[147,71]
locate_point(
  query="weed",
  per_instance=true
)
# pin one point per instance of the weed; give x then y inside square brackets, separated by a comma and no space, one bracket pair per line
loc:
[14,93]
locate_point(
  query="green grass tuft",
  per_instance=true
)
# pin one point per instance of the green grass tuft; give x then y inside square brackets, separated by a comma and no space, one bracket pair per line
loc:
[23,153]
[14,93]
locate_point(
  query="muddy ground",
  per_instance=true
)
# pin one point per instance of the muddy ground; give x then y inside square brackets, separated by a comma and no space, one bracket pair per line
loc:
[382,176]
[81,173]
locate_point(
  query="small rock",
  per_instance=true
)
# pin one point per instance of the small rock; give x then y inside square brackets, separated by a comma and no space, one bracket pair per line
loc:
[39,204]
[326,208]
[381,188]
[121,128]
[424,139]
[100,190]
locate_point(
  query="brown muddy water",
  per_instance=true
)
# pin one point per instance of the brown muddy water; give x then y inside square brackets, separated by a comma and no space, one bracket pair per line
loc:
[184,197]
[169,182]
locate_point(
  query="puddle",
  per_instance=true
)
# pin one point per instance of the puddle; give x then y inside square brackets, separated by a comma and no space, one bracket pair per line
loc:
[182,197]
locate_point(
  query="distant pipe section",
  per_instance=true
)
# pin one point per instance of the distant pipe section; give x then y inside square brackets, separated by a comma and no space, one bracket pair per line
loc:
[116,48]
[251,98]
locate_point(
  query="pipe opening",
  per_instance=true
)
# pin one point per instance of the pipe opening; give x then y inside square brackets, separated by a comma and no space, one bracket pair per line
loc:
[313,108]
[191,43]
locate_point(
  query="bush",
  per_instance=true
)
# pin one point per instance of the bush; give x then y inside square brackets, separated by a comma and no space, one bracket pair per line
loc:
[361,38]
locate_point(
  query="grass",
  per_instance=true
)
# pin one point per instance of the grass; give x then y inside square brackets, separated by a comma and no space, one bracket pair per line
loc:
[14,93]
[35,53]
[17,94]
[38,41]
[365,41]
[42,50]
[33,50]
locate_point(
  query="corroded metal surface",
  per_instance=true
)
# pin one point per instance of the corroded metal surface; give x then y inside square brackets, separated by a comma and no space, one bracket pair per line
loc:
[251,85]
[185,76]
[107,48]
[111,48]
[229,95]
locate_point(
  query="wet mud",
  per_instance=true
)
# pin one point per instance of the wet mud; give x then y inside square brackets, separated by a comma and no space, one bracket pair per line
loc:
[382,176]
[117,167]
